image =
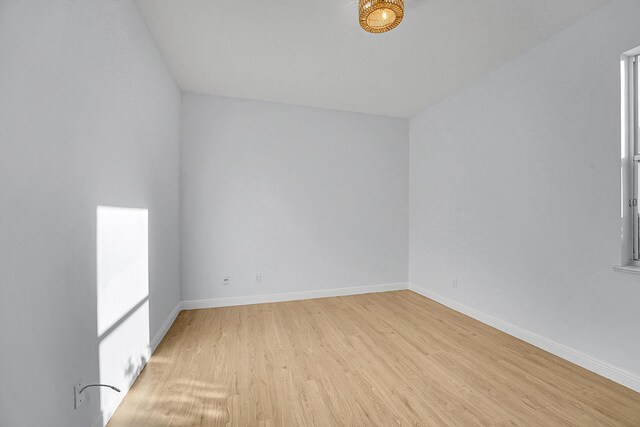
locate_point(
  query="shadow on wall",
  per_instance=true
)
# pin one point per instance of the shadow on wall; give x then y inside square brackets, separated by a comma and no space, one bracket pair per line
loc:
[122,255]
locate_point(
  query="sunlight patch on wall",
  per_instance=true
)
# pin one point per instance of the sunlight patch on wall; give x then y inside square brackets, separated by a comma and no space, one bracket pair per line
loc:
[123,263]
[122,253]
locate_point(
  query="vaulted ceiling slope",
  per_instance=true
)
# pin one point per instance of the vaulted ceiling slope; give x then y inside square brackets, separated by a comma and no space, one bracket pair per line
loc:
[314,53]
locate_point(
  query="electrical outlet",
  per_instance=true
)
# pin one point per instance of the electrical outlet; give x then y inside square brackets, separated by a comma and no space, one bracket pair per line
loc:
[455,283]
[78,399]
[226,281]
[258,278]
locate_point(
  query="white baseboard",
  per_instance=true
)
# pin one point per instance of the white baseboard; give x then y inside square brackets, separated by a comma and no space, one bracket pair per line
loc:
[155,342]
[592,364]
[290,296]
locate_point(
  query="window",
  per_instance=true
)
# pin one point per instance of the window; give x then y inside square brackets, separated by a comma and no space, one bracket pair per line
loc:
[635,157]
[630,155]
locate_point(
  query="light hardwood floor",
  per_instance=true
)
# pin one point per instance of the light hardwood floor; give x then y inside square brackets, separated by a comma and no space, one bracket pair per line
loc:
[393,358]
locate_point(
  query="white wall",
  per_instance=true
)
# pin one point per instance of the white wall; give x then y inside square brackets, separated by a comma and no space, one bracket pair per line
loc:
[514,192]
[312,199]
[89,116]
[515,188]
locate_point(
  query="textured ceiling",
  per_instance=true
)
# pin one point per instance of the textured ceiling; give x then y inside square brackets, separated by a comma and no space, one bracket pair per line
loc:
[314,53]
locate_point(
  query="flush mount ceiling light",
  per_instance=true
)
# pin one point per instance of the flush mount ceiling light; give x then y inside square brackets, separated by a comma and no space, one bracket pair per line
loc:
[380,16]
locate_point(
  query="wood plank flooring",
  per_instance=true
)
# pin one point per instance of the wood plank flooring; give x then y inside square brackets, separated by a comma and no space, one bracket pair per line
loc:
[386,359]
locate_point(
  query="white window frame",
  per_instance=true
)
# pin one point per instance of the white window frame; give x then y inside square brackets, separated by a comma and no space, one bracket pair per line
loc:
[630,159]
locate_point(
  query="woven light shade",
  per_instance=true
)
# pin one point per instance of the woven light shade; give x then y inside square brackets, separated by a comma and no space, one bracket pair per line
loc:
[380,16]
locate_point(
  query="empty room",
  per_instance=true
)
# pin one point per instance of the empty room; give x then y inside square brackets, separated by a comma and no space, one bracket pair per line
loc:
[319,213]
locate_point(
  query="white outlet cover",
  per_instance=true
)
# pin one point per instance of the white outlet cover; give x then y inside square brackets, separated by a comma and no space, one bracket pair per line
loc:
[77,397]
[226,280]
[259,278]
